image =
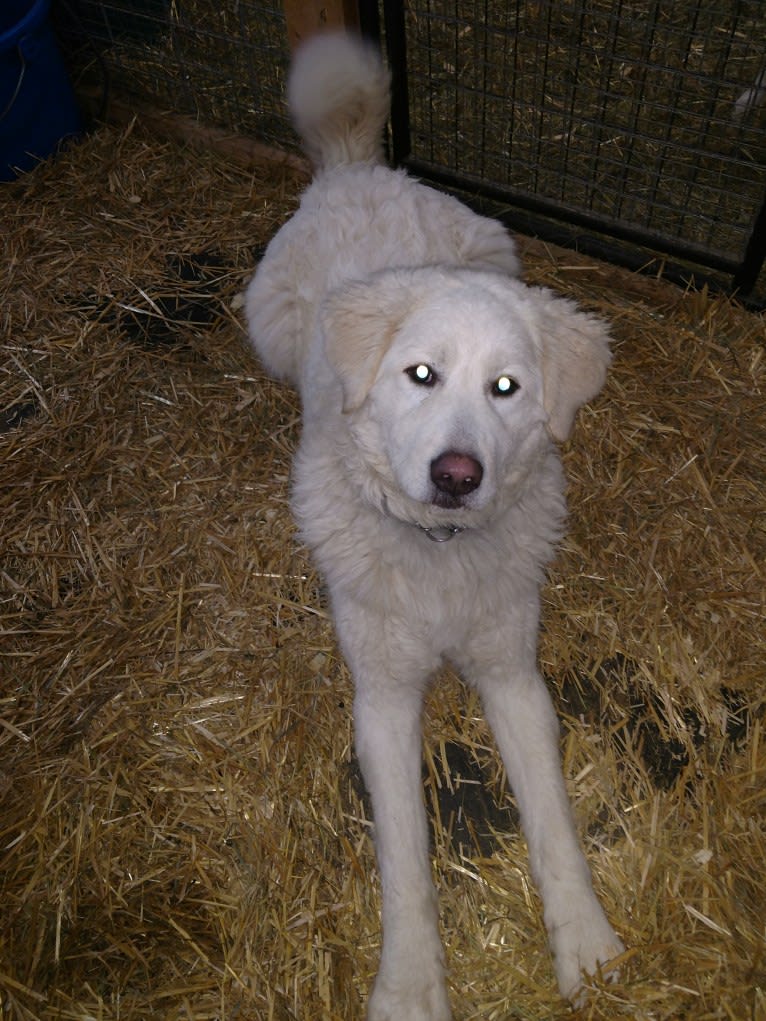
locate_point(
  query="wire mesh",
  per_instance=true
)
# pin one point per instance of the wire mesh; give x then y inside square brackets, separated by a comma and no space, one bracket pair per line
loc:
[221,62]
[644,114]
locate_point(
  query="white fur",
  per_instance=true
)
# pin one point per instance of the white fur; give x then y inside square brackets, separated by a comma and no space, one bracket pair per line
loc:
[375,274]
[751,98]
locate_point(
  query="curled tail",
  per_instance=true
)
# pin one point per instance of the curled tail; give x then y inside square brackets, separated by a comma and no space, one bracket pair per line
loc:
[338,95]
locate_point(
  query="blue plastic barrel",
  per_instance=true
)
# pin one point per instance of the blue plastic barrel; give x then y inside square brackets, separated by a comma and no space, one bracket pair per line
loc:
[37,106]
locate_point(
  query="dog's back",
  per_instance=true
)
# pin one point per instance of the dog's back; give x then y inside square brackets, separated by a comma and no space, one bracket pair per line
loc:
[358,216]
[338,97]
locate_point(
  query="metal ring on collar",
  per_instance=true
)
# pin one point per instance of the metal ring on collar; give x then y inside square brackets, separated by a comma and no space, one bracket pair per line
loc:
[441,534]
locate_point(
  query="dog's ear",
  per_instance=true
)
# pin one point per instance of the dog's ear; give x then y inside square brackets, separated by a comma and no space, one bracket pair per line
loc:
[575,357]
[359,321]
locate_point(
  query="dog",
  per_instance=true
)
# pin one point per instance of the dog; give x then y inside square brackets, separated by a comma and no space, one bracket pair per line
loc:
[435,386]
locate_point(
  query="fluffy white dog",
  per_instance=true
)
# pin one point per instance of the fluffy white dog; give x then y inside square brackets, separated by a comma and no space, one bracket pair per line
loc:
[429,488]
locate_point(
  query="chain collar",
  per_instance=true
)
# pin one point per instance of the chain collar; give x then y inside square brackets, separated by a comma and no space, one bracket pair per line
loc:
[436,533]
[441,533]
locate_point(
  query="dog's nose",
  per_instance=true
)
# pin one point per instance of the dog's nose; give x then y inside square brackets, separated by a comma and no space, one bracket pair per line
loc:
[456,474]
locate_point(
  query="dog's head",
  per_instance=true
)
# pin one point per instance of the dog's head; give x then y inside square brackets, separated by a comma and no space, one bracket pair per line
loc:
[454,379]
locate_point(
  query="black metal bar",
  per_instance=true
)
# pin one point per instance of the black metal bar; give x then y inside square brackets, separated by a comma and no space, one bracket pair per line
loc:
[746,275]
[606,249]
[626,255]
[396,46]
[369,19]
[588,221]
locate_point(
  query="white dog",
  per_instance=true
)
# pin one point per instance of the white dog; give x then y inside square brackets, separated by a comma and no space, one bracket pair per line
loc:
[430,490]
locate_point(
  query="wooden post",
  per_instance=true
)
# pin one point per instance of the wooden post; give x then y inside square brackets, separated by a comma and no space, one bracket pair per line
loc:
[306,17]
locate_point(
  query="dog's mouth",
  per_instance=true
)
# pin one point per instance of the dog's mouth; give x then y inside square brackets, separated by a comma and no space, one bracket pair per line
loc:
[447,501]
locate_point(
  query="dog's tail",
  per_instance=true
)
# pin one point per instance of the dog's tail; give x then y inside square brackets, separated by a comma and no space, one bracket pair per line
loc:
[338,95]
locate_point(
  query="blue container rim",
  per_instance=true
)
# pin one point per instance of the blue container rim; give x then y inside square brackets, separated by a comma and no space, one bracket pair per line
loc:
[35,16]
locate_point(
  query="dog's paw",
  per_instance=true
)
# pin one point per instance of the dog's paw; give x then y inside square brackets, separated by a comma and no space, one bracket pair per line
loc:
[583,946]
[422,999]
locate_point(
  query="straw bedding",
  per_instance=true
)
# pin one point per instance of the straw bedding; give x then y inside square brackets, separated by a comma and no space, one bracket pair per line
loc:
[183,832]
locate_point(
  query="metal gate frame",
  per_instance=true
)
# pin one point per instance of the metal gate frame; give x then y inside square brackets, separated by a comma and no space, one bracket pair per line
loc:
[611,240]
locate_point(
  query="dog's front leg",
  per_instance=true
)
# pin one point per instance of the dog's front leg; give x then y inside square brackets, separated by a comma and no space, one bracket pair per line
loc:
[410,983]
[520,712]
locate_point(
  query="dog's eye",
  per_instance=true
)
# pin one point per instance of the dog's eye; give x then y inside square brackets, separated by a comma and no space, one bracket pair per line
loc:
[504,386]
[422,374]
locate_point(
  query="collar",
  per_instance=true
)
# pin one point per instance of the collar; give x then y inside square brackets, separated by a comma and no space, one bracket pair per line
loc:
[436,533]
[441,533]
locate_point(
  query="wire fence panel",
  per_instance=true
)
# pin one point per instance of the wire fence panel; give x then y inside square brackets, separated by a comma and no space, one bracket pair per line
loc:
[221,62]
[639,118]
